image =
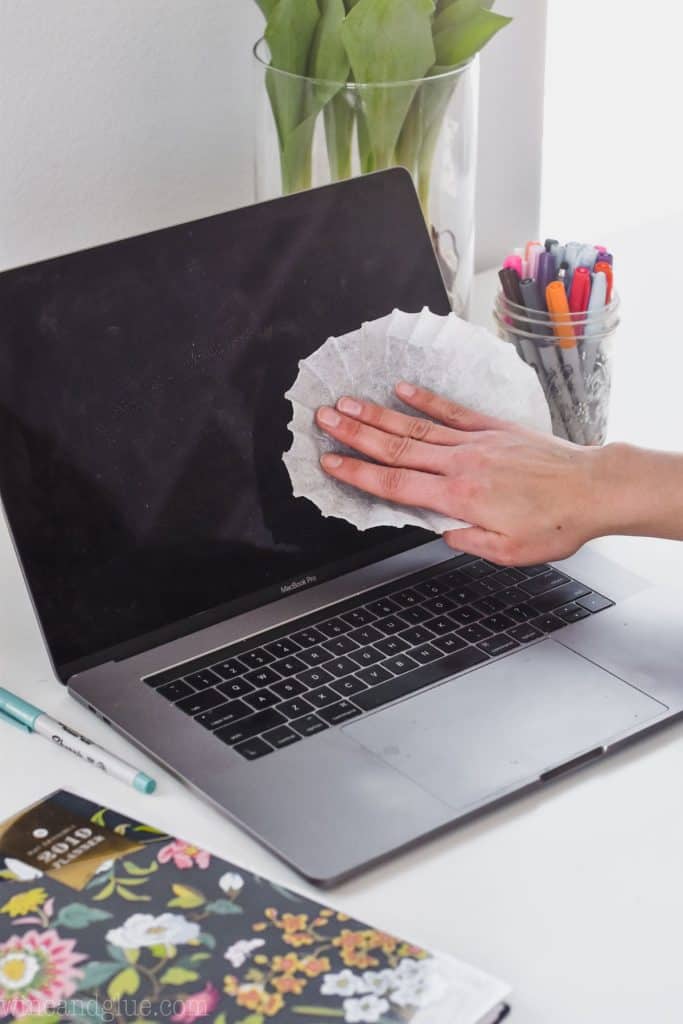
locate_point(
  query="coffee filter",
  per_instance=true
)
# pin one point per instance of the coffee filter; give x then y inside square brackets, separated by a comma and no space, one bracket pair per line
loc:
[450,356]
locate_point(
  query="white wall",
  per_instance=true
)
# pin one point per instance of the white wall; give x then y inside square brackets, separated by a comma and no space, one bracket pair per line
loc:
[119,116]
[613,155]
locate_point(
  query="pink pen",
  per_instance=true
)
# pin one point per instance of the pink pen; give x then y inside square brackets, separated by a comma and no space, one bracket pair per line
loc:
[514,262]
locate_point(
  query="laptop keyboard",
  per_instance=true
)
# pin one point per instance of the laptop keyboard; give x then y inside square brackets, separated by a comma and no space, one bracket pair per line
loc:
[282,686]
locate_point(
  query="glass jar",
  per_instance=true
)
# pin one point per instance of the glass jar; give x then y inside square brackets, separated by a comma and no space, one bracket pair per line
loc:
[311,132]
[575,369]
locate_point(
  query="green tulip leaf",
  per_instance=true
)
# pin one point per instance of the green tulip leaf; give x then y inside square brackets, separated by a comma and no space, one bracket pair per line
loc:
[457,43]
[388,41]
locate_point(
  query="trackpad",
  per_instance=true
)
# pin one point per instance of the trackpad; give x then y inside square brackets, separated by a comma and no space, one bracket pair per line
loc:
[487,732]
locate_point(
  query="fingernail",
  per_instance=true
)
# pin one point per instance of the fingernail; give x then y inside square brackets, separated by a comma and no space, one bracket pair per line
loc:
[406,390]
[350,406]
[331,461]
[328,417]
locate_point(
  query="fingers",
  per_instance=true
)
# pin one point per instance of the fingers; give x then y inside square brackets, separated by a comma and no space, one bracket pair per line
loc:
[453,415]
[402,486]
[494,547]
[391,449]
[398,423]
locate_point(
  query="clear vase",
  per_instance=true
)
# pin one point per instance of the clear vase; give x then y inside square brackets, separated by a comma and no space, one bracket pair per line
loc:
[311,132]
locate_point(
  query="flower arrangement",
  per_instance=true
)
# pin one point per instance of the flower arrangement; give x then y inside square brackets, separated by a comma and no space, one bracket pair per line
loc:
[396,54]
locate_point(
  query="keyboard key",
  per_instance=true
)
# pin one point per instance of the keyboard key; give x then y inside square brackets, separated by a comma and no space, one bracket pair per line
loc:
[426,654]
[341,667]
[281,737]
[465,616]
[340,712]
[432,588]
[226,714]
[385,606]
[440,625]
[559,596]
[315,677]
[546,581]
[513,596]
[307,637]
[534,570]
[573,613]
[287,688]
[497,623]
[368,656]
[498,645]
[595,602]
[253,749]
[390,624]
[449,644]
[247,728]
[169,675]
[282,648]
[289,666]
[415,614]
[316,655]
[547,623]
[347,687]
[203,701]
[309,725]
[525,633]
[261,699]
[489,605]
[509,577]
[235,688]
[393,645]
[479,569]
[295,708]
[474,633]
[262,676]
[365,635]
[322,697]
[230,669]
[176,690]
[425,675]
[407,598]
[341,645]
[440,605]
[400,664]
[358,617]
[416,635]
[520,612]
[374,675]
[257,658]
[203,680]
[334,627]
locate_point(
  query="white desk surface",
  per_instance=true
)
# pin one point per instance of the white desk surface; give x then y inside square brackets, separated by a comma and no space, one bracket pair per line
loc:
[573,896]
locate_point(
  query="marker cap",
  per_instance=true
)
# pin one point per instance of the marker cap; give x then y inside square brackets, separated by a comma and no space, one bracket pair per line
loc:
[144,783]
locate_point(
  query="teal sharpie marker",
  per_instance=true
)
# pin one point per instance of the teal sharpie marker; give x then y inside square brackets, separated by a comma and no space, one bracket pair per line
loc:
[30,719]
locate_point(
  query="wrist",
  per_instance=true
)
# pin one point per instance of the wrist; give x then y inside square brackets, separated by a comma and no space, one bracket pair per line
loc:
[638,492]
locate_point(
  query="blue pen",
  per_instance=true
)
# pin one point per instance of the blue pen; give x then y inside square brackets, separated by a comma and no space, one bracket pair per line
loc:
[588,257]
[30,719]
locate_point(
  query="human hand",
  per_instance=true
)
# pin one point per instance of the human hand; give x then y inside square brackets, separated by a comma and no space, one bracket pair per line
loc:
[530,497]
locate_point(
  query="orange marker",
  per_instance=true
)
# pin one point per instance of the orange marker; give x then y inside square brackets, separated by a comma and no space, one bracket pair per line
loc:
[558,307]
[607,270]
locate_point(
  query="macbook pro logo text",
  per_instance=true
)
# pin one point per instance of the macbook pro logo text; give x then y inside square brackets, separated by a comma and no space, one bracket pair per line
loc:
[305,581]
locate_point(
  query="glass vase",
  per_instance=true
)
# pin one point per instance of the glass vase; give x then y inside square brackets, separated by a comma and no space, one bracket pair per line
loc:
[310,132]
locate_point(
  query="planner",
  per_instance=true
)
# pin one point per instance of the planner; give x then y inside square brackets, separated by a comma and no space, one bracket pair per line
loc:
[107,919]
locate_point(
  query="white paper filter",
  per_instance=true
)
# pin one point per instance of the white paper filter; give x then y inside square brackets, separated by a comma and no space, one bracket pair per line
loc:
[465,363]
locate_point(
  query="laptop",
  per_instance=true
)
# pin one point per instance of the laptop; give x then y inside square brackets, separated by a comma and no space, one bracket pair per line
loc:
[340,695]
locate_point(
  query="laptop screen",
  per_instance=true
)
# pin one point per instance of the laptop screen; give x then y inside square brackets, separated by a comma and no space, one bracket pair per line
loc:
[143,420]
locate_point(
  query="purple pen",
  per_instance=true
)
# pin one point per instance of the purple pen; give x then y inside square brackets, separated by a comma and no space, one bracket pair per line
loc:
[546,271]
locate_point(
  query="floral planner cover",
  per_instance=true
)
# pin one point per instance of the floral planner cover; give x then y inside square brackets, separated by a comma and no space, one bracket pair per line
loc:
[107,920]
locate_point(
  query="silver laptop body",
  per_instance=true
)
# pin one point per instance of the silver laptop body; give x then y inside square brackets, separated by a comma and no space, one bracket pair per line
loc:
[114,498]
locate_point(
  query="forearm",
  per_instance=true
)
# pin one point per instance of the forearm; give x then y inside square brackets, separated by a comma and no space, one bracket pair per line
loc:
[641,493]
